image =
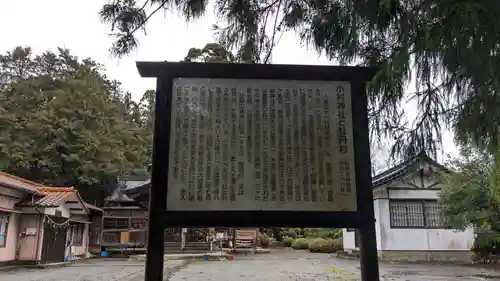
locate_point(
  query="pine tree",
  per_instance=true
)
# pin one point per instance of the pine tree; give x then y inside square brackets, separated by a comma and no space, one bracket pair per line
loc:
[449,48]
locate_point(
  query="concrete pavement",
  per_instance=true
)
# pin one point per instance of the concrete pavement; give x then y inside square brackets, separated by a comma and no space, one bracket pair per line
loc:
[92,270]
[292,265]
[280,265]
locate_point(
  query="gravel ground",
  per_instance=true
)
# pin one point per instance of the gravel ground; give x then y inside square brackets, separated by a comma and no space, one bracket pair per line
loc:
[279,265]
[95,270]
[300,265]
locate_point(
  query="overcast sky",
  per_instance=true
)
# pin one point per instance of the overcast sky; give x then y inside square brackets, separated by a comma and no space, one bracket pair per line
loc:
[75,24]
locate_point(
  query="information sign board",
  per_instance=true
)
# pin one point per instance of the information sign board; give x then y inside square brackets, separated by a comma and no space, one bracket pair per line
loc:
[254,144]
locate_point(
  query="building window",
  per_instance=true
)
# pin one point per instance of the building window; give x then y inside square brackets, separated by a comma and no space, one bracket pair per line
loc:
[433,211]
[116,223]
[77,234]
[4,228]
[415,214]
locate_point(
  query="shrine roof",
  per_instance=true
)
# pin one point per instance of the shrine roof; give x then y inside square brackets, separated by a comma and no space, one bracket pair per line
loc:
[118,196]
[141,188]
[133,183]
[404,168]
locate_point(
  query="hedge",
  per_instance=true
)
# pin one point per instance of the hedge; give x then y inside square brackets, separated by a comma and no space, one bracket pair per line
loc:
[300,244]
[288,241]
[321,245]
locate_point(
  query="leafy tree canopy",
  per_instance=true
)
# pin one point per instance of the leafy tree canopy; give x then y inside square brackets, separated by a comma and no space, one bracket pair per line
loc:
[471,193]
[212,52]
[64,123]
[448,48]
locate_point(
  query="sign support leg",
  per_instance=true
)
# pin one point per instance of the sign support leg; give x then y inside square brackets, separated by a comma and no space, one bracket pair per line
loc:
[368,253]
[154,252]
[368,239]
[159,185]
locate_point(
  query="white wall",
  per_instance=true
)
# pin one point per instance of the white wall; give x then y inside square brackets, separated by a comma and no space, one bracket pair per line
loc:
[431,194]
[348,239]
[65,213]
[377,210]
[397,239]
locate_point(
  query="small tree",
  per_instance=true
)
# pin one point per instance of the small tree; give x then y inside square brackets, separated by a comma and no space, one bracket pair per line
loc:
[471,192]
[212,52]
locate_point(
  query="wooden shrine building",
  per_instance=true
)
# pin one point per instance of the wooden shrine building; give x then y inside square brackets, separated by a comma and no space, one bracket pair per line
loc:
[176,239]
[124,223]
[125,219]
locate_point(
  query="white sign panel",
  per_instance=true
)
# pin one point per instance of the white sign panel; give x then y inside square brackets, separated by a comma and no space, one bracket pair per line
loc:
[221,236]
[271,145]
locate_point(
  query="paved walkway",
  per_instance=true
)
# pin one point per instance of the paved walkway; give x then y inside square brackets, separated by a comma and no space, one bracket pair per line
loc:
[303,266]
[95,270]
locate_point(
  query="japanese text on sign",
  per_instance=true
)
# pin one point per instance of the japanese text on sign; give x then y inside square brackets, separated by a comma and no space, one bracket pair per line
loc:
[261,145]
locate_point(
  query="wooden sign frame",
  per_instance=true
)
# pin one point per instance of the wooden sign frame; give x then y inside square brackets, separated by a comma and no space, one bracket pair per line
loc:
[160,217]
[165,72]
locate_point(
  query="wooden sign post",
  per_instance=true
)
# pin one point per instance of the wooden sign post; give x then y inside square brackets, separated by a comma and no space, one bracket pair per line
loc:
[249,145]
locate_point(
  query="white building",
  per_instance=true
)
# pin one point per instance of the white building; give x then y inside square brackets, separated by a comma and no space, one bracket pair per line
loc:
[408,222]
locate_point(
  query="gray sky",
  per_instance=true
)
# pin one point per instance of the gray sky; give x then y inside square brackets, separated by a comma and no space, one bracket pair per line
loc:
[75,24]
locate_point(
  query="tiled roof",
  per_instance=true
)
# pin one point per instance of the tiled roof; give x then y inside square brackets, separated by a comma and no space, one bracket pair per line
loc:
[118,195]
[48,197]
[19,183]
[52,199]
[48,190]
[402,169]
[135,183]
[44,196]
[142,188]
[56,196]
[92,207]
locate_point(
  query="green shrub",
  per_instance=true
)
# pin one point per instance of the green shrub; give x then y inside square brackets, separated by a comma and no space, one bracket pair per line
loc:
[290,232]
[315,245]
[325,233]
[300,244]
[263,240]
[335,245]
[321,245]
[264,243]
[484,245]
[288,241]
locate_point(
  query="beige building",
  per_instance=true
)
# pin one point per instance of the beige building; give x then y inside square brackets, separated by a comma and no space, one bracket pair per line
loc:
[40,224]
